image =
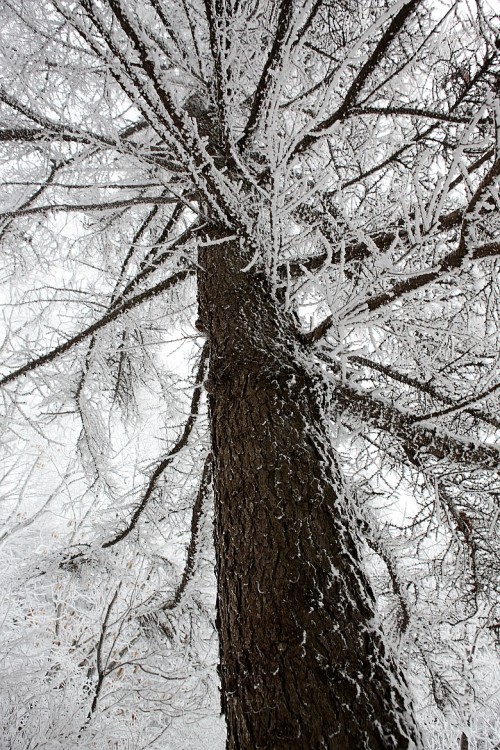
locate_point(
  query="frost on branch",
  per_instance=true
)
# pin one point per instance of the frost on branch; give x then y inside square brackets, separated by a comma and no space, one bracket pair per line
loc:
[250,274]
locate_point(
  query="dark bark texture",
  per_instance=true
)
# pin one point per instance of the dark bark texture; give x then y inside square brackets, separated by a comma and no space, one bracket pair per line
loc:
[302,664]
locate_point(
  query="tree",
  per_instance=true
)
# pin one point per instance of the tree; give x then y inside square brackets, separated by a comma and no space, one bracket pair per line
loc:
[306,196]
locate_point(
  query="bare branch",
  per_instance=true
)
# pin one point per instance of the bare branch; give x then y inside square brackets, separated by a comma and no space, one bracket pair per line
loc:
[462,406]
[411,112]
[380,548]
[36,135]
[356,251]
[449,263]
[83,207]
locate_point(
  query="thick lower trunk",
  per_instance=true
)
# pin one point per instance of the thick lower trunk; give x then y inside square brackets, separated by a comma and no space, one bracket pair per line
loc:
[302,666]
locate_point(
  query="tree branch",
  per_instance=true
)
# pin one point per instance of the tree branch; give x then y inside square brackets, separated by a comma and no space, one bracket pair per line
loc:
[272,63]
[461,406]
[181,443]
[90,330]
[423,440]
[196,517]
[379,547]
[411,112]
[63,131]
[355,251]
[35,135]
[449,263]
[362,77]
[110,206]
[428,388]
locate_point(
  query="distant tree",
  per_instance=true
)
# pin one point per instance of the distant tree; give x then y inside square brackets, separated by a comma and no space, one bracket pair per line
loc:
[250,263]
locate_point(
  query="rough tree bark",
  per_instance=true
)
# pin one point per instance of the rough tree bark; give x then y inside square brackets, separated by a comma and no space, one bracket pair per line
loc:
[302,664]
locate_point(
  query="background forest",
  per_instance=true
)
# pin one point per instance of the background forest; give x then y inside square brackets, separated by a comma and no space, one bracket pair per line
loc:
[333,167]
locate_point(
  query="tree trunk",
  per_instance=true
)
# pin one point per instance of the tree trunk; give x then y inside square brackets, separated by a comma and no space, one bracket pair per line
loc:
[301,663]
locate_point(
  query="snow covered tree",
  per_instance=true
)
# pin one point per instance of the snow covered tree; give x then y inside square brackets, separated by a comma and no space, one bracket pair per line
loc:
[250,268]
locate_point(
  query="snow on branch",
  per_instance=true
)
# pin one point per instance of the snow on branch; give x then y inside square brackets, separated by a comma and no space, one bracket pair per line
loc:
[362,76]
[450,262]
[110,317]
[422,440]
[428,388]
[165,462]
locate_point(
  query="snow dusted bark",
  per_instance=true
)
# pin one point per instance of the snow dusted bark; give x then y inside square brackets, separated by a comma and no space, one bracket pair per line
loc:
[302,665]
[350,153]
